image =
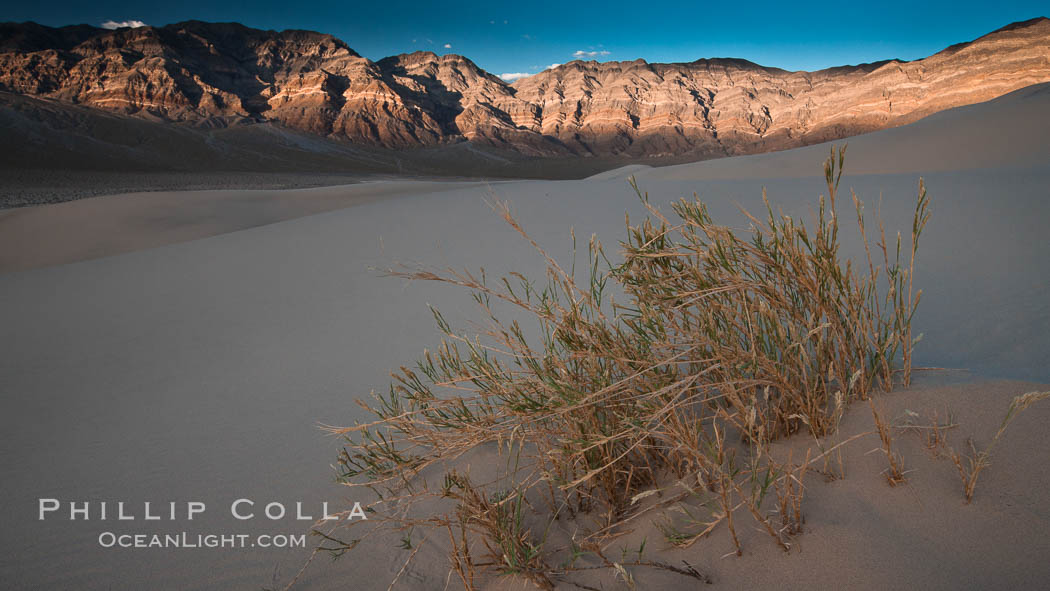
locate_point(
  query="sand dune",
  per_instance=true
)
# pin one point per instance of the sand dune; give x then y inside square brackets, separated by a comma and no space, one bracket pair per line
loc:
[197,363]
[103,226]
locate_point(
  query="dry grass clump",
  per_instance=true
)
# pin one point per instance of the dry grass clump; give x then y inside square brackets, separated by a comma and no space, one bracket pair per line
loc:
[726,342]
[971,466]
[782,323]
[789,490]
[895,472]
[499,522]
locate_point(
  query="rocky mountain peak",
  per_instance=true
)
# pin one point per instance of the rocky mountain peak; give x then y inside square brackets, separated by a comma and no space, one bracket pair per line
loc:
[209,74]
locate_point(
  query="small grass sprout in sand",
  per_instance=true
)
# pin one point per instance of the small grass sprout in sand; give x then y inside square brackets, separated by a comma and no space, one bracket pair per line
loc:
[719,343]
[934,436]
[971,466]
[895,472]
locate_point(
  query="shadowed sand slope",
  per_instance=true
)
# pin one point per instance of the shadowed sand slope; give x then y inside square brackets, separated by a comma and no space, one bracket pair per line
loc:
[197,364]
[103,226]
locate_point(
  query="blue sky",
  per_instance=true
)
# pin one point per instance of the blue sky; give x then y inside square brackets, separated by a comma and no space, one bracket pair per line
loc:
[525,37]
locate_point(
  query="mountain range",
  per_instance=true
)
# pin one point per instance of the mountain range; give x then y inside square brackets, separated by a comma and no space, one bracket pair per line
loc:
[223,75]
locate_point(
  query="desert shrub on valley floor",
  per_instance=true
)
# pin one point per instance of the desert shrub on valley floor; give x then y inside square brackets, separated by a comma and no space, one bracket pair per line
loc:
[718,343]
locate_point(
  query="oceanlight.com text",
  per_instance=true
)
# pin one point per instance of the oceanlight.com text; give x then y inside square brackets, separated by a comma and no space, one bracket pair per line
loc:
[207,541]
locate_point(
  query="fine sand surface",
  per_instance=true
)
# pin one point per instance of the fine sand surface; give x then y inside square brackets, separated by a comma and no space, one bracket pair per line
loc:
[103,226]
[197,364]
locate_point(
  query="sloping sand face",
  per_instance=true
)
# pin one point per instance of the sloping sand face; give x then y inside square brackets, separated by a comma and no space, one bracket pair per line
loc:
[198,370]
[103,226]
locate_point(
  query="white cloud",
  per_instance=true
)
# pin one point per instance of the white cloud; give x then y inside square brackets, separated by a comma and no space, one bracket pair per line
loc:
[512,76]
[592,54]
[552,66]
[119,25]
[448,46]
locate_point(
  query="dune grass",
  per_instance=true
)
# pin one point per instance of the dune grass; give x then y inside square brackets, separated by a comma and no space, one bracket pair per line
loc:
[971,466]
[721,343]
[895,472]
